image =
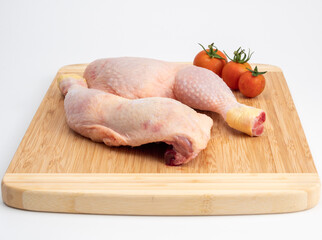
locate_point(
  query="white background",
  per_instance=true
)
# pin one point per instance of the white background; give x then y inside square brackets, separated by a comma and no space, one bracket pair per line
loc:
[38,37]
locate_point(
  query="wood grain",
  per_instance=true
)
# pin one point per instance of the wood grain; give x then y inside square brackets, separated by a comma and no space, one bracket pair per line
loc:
[171,194]
[55,169]
[49,146]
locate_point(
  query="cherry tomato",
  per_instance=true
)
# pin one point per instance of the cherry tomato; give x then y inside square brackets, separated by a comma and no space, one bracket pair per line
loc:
[252,83]
[235,68]
[232,72]
[211,58]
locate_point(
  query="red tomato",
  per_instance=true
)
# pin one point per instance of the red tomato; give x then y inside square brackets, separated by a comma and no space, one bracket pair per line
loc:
[212,59]
[235,68]
[232,72]
[252,83]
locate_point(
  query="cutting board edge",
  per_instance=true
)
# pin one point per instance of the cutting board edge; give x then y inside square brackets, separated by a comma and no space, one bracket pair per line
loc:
[262,67]
[162,194]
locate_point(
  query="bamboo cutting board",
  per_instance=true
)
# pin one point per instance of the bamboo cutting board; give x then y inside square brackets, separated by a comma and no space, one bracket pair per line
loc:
[57,170]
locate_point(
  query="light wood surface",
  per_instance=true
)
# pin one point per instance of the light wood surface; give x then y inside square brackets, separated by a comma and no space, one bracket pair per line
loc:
[165,194]
[55,169]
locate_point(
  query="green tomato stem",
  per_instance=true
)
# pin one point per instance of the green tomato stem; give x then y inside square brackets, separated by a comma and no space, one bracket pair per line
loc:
[255,72]
[212,53]
[240,56]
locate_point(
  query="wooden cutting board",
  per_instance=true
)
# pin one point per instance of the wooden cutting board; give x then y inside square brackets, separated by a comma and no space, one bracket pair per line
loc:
[57,170]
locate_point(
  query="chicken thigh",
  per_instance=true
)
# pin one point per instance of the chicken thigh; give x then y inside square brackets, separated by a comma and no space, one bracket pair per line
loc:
[114,120]
[196,87]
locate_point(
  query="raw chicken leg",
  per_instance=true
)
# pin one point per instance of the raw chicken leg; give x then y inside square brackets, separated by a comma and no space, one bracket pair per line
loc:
[132,77]
[196,87]
[202,89]
[114,120]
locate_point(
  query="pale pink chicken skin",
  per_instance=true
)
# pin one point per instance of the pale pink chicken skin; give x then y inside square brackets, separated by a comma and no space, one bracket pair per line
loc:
[202,89]
[114,120]
[133,78]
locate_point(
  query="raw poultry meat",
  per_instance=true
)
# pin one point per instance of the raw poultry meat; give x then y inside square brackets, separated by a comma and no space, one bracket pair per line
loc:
[196,87]
[114,120]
